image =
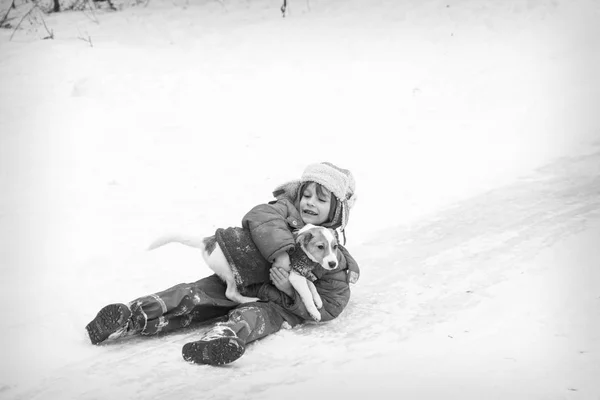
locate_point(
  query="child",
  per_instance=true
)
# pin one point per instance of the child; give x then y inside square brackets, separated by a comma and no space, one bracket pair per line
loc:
[322,196]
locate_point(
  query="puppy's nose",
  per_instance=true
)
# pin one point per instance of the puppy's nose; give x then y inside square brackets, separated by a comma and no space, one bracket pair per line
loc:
[332,264]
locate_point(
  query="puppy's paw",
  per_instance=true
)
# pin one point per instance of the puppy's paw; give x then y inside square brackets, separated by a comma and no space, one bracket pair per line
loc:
[244,299]
[316,315]
[352,277]
[318,302]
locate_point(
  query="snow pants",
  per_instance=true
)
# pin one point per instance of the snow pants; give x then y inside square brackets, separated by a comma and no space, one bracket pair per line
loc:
[204,300]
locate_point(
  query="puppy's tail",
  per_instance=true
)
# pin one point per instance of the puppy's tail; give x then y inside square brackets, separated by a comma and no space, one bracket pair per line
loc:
[192,241]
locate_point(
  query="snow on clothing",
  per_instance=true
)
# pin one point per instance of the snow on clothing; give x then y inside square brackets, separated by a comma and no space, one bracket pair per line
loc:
[200,301]
[246,262]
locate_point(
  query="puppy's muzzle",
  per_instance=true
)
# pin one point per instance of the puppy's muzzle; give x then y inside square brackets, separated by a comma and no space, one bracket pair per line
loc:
[330,262]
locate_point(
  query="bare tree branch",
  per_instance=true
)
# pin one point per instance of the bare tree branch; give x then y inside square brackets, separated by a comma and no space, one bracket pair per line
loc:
[50,31]
[28,14]
[21,21]
[91,6]
[12,5]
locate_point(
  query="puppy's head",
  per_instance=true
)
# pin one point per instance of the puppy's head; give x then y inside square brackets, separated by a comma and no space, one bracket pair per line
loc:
[319,244]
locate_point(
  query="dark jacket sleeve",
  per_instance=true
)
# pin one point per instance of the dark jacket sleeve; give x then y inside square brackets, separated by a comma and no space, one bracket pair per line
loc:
[333,287]
[269,228]
[335,294]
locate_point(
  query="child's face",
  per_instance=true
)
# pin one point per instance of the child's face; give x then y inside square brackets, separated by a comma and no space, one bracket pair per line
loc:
[314,209]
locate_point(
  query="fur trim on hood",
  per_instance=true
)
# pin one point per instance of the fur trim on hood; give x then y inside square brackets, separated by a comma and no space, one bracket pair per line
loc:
[337,180]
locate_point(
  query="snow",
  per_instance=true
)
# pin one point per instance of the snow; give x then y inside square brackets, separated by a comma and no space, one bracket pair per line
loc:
[471,128]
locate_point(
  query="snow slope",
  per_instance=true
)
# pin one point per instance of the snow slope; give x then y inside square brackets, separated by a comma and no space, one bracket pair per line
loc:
[472,130]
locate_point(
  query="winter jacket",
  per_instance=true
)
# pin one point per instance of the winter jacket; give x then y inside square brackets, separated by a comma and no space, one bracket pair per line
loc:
[270,226]
[333,287]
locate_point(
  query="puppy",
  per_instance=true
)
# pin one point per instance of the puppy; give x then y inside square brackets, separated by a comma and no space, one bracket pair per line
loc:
[320,246]
[314,245]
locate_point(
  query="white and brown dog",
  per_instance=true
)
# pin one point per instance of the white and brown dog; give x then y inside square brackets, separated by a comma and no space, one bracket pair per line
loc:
[317,243]
[320,245]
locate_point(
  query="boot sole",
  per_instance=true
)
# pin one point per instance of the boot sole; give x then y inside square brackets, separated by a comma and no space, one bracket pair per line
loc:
[218,351]
[109,320]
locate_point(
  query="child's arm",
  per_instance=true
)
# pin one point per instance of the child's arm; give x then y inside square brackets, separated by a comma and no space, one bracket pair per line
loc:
[334,292]
[270,227]
[333,287]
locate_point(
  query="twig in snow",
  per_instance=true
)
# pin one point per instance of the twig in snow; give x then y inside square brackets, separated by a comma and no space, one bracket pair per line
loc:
[284,7]
[89,39]
[50,31]
[22,19]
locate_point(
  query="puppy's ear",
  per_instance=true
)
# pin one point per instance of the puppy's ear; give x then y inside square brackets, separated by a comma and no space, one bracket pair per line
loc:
[335,234]
[303,238]
[299,232]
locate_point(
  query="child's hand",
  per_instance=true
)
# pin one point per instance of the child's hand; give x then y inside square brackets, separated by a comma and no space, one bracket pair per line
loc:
[282,261]
[281,280]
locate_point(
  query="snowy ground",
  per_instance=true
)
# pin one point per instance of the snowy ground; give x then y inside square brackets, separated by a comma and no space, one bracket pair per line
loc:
[473,132]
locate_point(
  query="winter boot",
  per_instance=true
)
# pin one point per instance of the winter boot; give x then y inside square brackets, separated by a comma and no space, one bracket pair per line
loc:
[112,321]
[138,319]
[220,345]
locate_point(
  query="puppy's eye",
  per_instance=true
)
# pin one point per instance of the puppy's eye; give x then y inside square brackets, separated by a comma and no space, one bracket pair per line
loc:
[335,246]
[321,247]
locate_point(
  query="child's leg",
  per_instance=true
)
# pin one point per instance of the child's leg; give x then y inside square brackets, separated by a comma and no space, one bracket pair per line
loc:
[182,298]
[172,321]
[226,341]
[164,311]
[254,321]
[178,306]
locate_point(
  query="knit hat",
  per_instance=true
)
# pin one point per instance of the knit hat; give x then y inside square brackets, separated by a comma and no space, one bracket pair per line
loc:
[338,181]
